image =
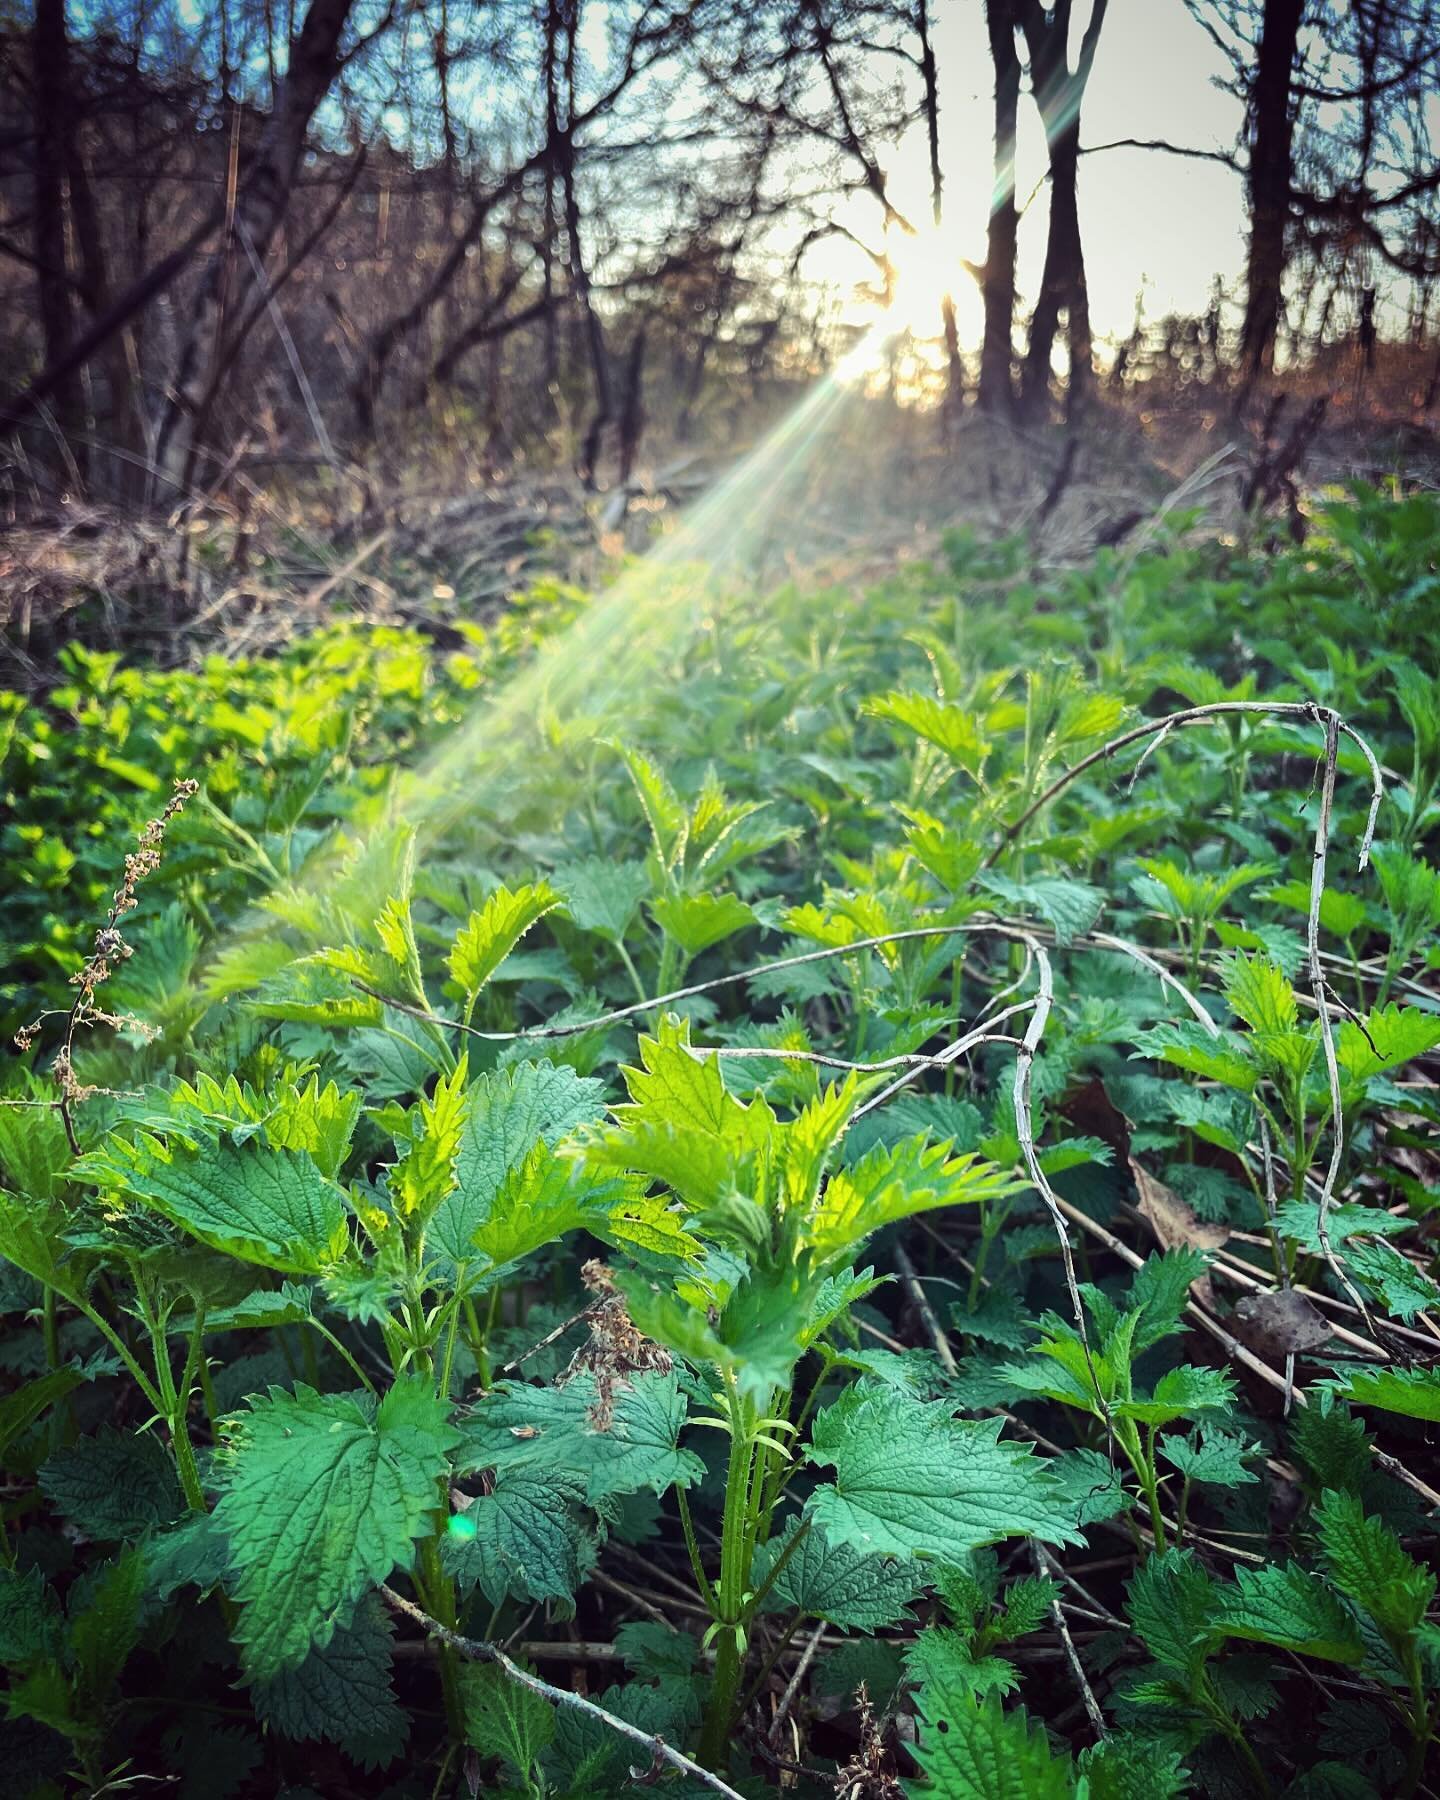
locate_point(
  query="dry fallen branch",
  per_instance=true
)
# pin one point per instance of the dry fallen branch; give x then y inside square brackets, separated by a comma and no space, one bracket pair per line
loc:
[475,1650]
[1087,1693]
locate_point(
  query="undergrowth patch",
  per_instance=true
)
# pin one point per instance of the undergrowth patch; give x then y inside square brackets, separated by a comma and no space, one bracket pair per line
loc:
[859,1221]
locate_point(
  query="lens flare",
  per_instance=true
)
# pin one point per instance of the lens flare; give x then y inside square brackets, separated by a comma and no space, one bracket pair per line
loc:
[713,567]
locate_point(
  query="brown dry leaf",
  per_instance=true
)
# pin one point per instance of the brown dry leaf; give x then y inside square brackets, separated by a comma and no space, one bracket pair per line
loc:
[1175,1224]
[1280,1324]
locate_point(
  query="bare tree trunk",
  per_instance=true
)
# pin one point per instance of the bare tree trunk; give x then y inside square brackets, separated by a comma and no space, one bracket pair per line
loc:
[954,368]
[1271,150]
[595,345]
[632,408]
[594,335]
[1062,288]
[997,391]
[52,280]
[260,205]
[1059,93]
[551,367]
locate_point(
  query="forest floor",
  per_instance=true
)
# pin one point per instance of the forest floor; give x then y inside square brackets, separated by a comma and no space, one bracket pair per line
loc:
[828,1141]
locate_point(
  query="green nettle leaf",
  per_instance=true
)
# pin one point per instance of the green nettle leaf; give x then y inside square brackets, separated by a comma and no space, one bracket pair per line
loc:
[525,1537]
[656,1652]
[944,1659]
[271,1207]
[697,921]
[1183,1393]
[837,1583]
[510,1111]
[954,729]
[424,1173]
[504,1719]
[1223,1119]
[836,1294]
[647,1222]
[320,1120]
[107,1627]
[553,1430]
[1162,1288]
[1259,994]
[547,1196]
[114,1485]
[601,895]
[342,1692]
[1292,1608]
[47,1695]
[971,1749]
[1226,1058]
[1341,914]
[664,814]
[289,1304]
[681,1126]
[1091,1484]
[1413,1392]
[951,858]
[892,1183]
[1173,1603]
[1387,1038]
[1133,1768]
[1069,907]
[490,934]
[323,1494]
[30,1624]
[1213,1456]
[193,1553]
[27,1240]
[919,1481]
[1367,1562]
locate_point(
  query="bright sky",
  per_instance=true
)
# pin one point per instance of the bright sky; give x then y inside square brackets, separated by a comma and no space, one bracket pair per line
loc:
[1169,221]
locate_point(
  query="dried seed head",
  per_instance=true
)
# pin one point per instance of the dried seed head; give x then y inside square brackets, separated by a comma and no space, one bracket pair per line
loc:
[615,1349]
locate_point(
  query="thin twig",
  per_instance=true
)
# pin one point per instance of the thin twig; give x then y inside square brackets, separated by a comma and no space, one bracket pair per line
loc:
[1194,715]
[1087,1693]
[1327,1031]
[475,1650]
[787,1699]
[927,1314]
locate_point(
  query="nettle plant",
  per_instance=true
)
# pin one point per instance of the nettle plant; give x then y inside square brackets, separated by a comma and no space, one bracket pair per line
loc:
[416,1311]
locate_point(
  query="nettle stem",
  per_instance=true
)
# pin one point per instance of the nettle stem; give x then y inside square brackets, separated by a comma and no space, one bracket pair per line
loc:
[733,1601]
[172,1403]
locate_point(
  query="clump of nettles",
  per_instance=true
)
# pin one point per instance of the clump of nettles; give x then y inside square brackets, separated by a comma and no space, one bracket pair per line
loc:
[615,1348]
[110,949]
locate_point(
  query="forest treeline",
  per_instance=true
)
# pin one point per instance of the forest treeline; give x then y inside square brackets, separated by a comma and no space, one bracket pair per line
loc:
[287,228]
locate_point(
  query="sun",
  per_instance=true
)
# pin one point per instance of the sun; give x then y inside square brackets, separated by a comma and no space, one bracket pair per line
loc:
[925,270]
[924,266]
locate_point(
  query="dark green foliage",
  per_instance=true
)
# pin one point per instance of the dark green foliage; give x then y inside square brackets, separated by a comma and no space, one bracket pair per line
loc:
[658,1347]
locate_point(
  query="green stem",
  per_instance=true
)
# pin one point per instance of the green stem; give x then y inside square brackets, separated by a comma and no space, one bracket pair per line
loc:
[447,1365]
[437,1592]
[734,1573]
[1242,1749]
[174,1402]
[630,969]
[336,1345]
[62,1419]
[767,1668]
[692,1545]
[1419,1720]
[775,1568]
